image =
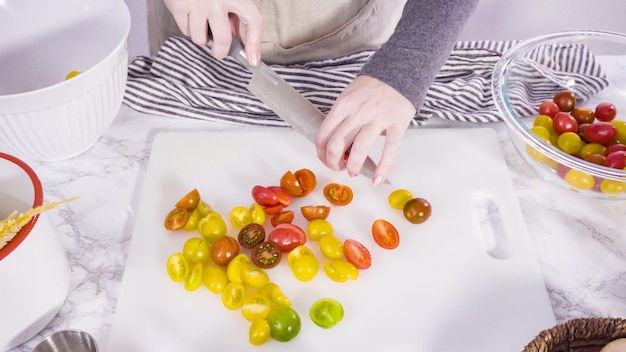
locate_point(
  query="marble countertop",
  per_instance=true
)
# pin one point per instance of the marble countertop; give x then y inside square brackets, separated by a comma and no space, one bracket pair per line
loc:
[580,243]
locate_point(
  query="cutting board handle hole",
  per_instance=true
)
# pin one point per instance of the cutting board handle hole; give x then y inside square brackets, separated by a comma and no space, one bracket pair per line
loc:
[493,233]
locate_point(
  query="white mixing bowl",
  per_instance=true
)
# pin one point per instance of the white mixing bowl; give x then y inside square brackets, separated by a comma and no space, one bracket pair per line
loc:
[43,116]
[34,268]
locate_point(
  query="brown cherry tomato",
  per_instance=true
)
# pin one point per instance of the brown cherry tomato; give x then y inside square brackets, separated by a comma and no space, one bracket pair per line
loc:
[224,250]
[189,201]
[176,218]
[251,235]
[266,255]
[583,115]
[312,212]
[417,210]
[566,100]
[338,194]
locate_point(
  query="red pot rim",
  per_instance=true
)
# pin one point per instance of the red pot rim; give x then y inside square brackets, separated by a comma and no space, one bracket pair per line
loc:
[38,201]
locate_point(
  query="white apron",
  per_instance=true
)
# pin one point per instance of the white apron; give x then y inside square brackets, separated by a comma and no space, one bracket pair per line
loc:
[303,30]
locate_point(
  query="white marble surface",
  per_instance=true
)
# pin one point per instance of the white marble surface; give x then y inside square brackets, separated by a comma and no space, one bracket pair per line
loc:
[581,243]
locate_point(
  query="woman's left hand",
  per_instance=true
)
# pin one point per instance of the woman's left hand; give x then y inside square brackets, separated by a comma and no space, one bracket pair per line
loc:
[366,109]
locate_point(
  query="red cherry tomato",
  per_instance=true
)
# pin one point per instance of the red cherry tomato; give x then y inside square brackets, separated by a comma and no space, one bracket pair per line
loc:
[616,160]
[264,196]
[357,254]
[338,194]
[312,212]
[565,100]
[176,219]
[606,112]
[600,132]
[385,234]
[283,196]
[189,201]
[284,217]
[548,108]
[614,148]
[563,122]
[287,236]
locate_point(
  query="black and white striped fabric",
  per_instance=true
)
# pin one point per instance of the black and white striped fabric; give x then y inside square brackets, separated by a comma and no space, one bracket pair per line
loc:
[183,80]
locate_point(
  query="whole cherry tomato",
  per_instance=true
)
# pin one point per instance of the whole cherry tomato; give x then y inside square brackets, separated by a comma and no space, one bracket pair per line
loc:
[399,197]
[606,112]
[189,201]
[215,278]
[600,132]
[224,250]
[616,160]
[331,247]
[176,219]
[284,323]
[287,236]
[357,254]
[385,234]
[259,332]
[417,210]
[338,194]
[583,115]
[312,212]
[548,108]
[563,122]
[565,100]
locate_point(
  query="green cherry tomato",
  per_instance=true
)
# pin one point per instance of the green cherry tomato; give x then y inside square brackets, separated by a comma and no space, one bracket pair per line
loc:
[318,228]
[197,250]
[255,307]
[284,323]
[195,278]
[212,227]
[331,247]
[233,295]
[399,197]
[215,278]
[259,332]
[326,312]
[178,267]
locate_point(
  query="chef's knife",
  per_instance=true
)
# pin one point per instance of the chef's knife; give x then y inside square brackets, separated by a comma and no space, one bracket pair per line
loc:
[285,101]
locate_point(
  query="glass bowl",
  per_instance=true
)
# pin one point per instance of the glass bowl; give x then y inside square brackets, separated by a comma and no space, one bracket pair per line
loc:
[591,65]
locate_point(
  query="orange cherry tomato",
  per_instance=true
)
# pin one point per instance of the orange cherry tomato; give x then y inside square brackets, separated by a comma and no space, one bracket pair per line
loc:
[300,183]
[385,234]
[176,218]
[307,180]
[338,194]
[312,212]
[284,217]
[189,201]
[224,250]
[357,254]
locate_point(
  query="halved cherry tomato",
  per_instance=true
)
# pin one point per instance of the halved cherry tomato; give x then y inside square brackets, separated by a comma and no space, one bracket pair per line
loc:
[257,214]
[224,250]
[176,219]
[338,194]
[341,270]
[266,255]
[318,228]
[300,183]
[283,196]
[357,254]
[385,234]
[254,276]
[195,278]
[331,247]
[312,212]
[212,227]
[251,235]
[215,278]
[189,201]
[196,250]
[233,295]
[287,236]
[178,267]
[259,332]
[326,312]
[240,217]
[274,293]
[303,263]
[264,196]
[284,217]
[255,307]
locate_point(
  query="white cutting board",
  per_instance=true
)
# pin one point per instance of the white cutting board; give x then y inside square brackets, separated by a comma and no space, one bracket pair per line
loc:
[452,284]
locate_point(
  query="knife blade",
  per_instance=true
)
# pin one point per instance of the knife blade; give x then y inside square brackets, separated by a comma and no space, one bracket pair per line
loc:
[287,102]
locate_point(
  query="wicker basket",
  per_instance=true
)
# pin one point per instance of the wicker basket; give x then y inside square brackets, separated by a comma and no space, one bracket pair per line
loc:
[579,335]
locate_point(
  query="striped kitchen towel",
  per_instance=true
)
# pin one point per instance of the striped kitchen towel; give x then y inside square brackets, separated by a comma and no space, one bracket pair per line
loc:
[184,80]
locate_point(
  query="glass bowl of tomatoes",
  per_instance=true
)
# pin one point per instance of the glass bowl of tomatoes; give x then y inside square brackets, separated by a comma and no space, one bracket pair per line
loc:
[563,99]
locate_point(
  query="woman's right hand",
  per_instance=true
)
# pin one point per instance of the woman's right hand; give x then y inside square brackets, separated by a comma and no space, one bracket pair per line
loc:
[195,17]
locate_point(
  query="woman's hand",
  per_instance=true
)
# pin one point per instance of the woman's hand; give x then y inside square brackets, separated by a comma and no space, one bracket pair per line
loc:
[366,109]
[195,17]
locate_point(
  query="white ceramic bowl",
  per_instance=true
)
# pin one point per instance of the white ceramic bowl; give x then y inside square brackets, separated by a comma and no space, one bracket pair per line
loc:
[43,116]
[588,63]
[34,269]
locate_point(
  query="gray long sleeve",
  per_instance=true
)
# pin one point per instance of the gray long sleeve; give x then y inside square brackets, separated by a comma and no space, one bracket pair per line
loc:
[424,37]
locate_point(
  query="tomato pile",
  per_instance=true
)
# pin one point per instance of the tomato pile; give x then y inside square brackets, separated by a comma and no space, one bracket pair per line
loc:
[236,267]
[593,135]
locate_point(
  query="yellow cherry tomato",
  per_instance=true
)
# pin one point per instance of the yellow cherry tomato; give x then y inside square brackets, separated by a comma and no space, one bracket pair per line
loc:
[72,74]
[240,217]
[257,214]
[331,247]
[341,270]
[612,187]
[234,268]
[256,307]
[215,278]
[197,250]
[318,228]
[212,227]
[178,267]
[195,278]
[260,332]
[579,179]
[254,276]
[274,293]
[233,295]
[399,197]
